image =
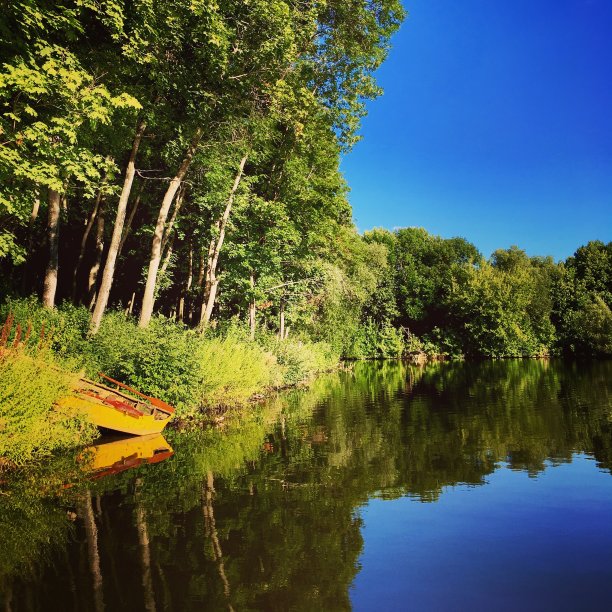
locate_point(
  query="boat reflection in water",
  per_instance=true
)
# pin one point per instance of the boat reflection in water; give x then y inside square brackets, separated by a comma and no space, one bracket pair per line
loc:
[113,455]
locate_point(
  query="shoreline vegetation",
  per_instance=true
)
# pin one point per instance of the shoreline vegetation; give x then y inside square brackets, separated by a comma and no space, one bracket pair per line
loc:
[173,214]
[202,376]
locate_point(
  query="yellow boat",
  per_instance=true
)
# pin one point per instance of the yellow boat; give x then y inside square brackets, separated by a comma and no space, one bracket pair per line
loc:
[123,454]
[118,410]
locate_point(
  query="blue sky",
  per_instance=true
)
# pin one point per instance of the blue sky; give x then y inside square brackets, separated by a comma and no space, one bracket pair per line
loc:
[495,125]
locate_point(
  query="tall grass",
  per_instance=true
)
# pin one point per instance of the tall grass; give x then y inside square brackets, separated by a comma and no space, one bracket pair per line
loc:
[232,370]
[299,360]
[29,429]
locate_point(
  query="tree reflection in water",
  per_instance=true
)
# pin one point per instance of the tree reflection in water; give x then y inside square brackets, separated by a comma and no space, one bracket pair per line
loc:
[264,515]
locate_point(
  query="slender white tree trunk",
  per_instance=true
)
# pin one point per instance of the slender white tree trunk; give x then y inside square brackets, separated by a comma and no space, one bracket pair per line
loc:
[113,249]
[86,232]
[167,257]
[130,219]
[180,196]
[95,268]
[212,282]
[183,298]
[148,299]
[252,309]
[50,283]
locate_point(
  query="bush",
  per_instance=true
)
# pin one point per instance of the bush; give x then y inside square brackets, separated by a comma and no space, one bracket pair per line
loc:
[29,428]
[371,341]
[160,360]
[65,328]
[592,327]
[299,360]
[179,365]
[231,370]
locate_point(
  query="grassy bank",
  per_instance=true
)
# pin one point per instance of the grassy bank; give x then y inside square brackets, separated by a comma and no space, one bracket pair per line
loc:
[200,374]
[29,430]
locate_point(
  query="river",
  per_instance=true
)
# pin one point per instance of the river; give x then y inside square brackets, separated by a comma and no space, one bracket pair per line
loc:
[468,486]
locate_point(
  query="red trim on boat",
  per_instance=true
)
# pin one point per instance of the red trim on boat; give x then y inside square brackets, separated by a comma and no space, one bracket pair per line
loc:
[153,400]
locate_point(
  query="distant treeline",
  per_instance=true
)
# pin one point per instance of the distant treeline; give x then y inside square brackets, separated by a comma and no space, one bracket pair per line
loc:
[448,299]
[182,158]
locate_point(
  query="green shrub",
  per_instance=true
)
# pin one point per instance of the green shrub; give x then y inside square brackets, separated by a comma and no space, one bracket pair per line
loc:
[231,370]
[65,327]
[178,365]
[372,341]
[442,342]
[29,428]
[160,360]
[299,360]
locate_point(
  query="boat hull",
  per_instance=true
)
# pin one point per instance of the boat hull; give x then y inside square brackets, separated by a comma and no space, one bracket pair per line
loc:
[110,418]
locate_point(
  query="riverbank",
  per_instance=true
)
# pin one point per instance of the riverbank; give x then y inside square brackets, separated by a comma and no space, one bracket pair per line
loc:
[202,375]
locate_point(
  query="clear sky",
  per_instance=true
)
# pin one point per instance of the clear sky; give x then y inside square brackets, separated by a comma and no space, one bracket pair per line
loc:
[495,125]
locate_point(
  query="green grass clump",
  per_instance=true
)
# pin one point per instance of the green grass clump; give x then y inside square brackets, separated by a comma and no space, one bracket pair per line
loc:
[160,360]
[64,329]
[300,361]
[30,429]
[233,369]
[187,369]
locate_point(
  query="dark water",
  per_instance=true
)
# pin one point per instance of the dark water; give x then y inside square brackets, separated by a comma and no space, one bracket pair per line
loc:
[454,487]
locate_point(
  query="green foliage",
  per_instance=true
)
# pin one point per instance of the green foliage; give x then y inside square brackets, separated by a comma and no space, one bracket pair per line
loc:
[582,298]
[457,303]
[29,429]
[376,341]
[160,360]
[231,370]
[63,329]
[191,371]
[503,311]
[591,326]
[300,361]
[421,271]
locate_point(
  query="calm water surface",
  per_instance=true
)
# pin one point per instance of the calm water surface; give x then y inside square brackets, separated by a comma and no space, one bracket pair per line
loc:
[455,487]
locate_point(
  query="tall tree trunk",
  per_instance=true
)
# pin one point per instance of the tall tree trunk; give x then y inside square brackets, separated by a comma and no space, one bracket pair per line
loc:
[201,270]
[252,309]
[212,281]
[181,308]
[199,285]
[281,316]
[148,299]
[50,283]
[167,257]
[207,281]
[113,249]
[130,307]
[170,225]
[92,281]
[88,226]
[130,219]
